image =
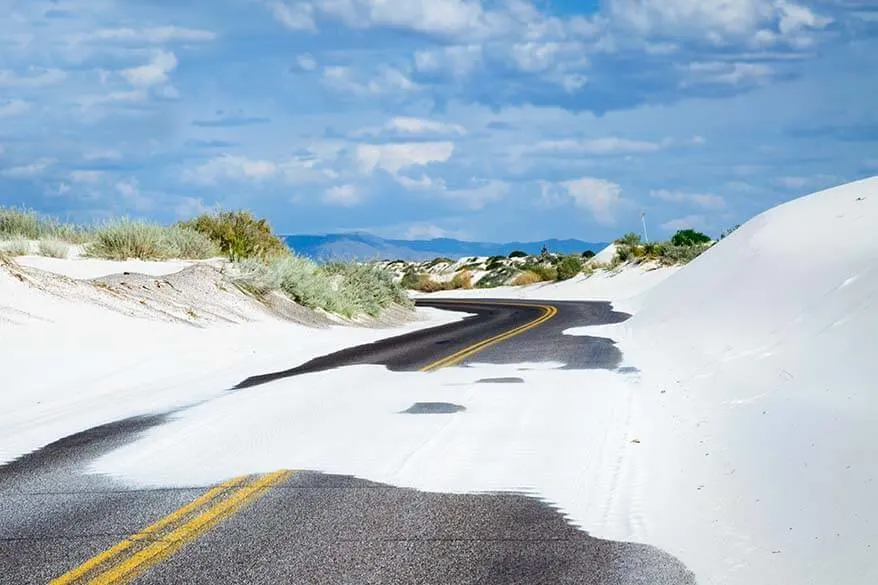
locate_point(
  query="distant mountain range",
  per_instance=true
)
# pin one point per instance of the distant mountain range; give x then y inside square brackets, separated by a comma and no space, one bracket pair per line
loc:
[360,246]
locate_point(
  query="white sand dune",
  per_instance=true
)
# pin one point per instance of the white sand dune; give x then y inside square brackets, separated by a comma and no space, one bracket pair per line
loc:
[745,445]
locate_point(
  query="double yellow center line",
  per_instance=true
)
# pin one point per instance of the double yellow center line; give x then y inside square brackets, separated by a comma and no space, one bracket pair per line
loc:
[548,312]
[134,555]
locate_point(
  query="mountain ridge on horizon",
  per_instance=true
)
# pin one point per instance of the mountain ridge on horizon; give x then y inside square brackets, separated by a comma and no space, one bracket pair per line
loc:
[366,246]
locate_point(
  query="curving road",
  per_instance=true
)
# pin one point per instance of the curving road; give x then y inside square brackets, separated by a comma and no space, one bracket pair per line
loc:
[60,525]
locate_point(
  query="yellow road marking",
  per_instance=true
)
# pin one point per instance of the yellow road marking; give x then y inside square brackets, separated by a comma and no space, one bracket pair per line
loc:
[113,567]
[548,312]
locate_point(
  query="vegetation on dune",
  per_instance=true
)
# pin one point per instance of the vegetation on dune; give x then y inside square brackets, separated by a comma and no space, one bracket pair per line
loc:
[683,247]
[348,289]
[53,249]
[16,247]
[588,254]
[127,238]
[526,278]
[238,234]
[26,224]
[568,267]
[517,254]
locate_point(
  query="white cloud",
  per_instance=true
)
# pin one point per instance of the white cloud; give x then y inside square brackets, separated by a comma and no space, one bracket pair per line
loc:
[425,231]
[599,196]
[394,157]
[306,62]
[404,125]
[86,176]
[156,35]
[703,200]
[27,171]
[129,189]
[13,108]
[683,223]
[456,60]
[725,73]
[389,80]
[447,18]
[232,168]
[343,195]
[478,197]
[131,97]
[599,146]
[294,16]
[44,78]
[154,73]
[190,206]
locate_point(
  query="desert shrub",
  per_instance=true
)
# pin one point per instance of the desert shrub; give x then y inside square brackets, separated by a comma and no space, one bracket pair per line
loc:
[623,254]
[495,262]
[517,254]
[53,249]
[128,238]
[410,280]
[568,267]
[653,249]
[629,239]
[462,279]
[497,277]
[239,234]
[672,254]
[546,273]
[28,224]
[427,285]
[364,288]
[588,254]
[471,266]
[16,247]
[527,277]
[437,261]
[689,238]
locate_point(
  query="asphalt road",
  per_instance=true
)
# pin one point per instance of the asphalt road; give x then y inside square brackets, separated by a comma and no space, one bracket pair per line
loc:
[306,527]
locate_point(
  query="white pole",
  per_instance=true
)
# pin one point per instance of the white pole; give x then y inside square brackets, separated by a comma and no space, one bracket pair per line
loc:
[643,219]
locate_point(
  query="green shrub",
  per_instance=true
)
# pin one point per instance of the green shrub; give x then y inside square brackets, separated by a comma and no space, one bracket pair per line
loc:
[462,279]
[53,249]
[568,267]
[526,278]
[28,224]
[128,238]
[689,238]
[588,254]
[517,254]
[653,249]
[497,277]
[410,280]
[16,247]
[623,254]
[546,273]
[437,261]
[239,234]
[629,239]
[672,254]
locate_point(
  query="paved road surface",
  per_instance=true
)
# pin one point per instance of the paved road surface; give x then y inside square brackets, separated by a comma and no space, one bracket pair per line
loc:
[305,527]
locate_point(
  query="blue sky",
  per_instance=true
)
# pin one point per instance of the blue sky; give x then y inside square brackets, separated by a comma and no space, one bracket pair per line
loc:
[482,119]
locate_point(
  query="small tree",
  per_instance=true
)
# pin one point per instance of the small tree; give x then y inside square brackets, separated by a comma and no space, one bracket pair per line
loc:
[689,238]
[629,239]
[568,267]
[517,254]
[588,254]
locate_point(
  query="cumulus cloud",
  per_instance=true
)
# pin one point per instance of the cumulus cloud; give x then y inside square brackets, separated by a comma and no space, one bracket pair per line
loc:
[455,60]
[154,73]
[397,156]
[725,73]
[343,195]
[388,80]
[599,196]
[703,200]
[293,15]
[232,168]
[306,62]
[15,107]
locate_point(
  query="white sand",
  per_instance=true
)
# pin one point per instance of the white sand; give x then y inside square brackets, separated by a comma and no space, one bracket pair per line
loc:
[745,446]
[83,268]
